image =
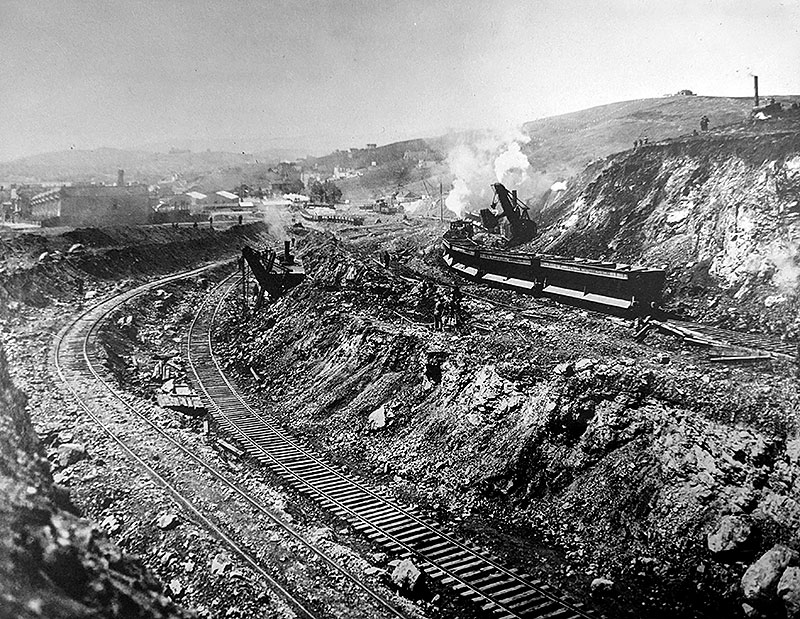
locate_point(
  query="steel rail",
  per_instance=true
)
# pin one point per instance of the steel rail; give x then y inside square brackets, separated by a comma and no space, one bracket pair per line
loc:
[471,571]
[79,332]
[245,495]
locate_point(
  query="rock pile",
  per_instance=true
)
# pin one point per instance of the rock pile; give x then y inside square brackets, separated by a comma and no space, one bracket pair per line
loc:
[52,562]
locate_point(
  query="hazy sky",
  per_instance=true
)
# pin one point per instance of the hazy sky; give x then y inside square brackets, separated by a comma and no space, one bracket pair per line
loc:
[122,73]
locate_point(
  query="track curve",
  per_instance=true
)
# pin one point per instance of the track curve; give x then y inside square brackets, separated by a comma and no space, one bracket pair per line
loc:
[76,363]
[473,572]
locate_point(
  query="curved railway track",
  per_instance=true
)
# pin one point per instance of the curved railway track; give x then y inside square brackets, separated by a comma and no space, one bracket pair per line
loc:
[76,361]
[471,571]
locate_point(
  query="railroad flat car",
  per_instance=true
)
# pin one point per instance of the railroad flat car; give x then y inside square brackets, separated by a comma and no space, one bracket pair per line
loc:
[606,286]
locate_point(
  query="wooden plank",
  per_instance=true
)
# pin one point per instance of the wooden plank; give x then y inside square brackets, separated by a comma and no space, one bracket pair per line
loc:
[740,359]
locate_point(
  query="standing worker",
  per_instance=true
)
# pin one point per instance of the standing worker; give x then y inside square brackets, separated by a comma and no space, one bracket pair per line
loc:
[438,309]
[211,221]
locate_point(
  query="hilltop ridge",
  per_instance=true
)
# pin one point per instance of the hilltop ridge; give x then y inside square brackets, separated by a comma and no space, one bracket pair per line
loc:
[558,147]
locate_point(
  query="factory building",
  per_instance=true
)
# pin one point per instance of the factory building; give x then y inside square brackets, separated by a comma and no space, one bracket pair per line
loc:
[92,205]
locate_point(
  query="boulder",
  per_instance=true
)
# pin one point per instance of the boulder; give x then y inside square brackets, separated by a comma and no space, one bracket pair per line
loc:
[408,578]
[584,364]
[760,581]
[220,563]
[175,587]
[751,612]
[70,453]
[601,587]
[377,418]
[167,522]
[732,534]
[565,369]
[789,591]
[111,524]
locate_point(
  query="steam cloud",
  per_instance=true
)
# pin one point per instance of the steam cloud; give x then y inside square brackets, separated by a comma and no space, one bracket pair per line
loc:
[478,164]
[778,262]
[787,271]
[276,219]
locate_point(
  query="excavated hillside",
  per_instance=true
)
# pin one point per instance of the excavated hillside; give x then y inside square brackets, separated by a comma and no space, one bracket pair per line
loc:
[37,268]
[550,436]
[53,563]
[721,211]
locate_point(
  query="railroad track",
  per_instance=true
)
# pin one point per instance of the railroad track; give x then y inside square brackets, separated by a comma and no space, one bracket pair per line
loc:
[77,363]
[751,341]
[471,571]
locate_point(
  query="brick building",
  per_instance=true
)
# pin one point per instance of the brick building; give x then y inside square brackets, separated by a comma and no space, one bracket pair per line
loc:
[92,205]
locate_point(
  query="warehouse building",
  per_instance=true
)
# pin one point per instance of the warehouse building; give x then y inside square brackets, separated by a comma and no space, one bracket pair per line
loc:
[92,205]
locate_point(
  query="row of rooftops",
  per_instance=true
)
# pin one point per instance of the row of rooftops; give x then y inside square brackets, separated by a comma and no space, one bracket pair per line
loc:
[196,195]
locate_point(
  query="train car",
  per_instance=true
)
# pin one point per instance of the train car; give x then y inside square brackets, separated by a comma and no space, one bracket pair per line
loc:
[606,286]
[333,216]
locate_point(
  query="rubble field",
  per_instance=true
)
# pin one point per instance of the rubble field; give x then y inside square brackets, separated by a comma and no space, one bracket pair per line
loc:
[641,472]
[639,476]
[76,503]
[57,562]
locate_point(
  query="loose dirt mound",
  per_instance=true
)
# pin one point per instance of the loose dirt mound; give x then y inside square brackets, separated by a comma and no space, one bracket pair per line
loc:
[38,268]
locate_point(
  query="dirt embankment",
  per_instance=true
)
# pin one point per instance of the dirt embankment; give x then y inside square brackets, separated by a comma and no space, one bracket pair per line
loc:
[572,450]
[36,268]
[721,211]
[54,563]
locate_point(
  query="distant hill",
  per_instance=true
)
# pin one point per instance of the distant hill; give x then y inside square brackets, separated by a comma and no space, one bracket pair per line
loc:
[101,165]
[561,146]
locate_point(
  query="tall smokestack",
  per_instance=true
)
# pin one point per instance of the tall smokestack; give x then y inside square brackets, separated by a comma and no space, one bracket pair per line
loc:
[755,89]
[287,256]
[120,178]
[514,197]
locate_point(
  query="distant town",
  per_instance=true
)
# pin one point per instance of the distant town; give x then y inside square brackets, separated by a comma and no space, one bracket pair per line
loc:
[134,201]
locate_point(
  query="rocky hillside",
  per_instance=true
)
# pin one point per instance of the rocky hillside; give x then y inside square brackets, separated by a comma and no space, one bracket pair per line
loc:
[720,211]
[552,437]
[53,563]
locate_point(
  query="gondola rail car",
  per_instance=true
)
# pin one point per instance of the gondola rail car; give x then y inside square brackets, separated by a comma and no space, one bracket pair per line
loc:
[611,287]
[332,215]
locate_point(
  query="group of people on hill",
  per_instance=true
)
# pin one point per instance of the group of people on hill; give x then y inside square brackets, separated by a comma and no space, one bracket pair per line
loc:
[447,308]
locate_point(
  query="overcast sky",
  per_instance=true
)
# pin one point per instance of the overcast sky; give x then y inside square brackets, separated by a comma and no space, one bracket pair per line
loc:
[339,73]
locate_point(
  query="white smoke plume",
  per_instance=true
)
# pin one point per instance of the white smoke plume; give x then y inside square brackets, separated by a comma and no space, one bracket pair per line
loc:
[277,220]
[479,163]
[511,167]
[558,186]
[783,256]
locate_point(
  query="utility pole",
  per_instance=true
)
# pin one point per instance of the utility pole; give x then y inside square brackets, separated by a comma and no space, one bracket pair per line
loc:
[244,286]
[441,203]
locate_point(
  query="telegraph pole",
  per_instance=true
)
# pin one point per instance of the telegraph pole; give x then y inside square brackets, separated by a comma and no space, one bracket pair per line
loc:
[244,286]
[441,203]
